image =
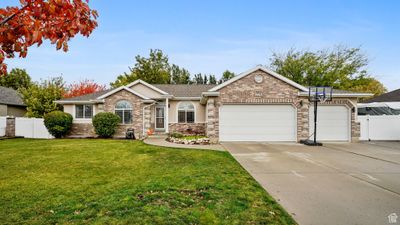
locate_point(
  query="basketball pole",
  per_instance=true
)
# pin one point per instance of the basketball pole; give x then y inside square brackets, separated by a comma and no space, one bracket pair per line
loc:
[315,121]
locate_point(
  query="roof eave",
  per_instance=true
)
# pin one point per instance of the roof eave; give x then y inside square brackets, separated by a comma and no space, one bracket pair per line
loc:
[210,94]
[187,98]
[354,95]
[91,101]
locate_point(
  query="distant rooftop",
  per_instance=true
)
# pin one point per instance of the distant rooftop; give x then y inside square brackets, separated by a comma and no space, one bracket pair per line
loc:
[9,96]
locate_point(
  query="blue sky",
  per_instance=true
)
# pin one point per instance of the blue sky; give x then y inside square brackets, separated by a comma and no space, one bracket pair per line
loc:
[212,36]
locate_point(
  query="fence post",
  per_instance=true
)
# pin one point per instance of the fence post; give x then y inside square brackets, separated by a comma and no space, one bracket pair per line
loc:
[10,126]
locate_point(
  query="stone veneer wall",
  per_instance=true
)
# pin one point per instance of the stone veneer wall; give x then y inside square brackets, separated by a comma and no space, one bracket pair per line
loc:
[188,128]
[137,104]
[82,130]
[10,127]
[270,91]
[87,129]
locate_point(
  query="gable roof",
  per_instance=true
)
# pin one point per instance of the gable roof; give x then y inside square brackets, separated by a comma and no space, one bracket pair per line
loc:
[266,70]
[9,96]
[93,97]
[120,89]
[393,96]
[185,90]
[147,85]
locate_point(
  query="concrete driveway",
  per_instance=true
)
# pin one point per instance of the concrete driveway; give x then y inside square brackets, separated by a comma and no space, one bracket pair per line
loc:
[334,184]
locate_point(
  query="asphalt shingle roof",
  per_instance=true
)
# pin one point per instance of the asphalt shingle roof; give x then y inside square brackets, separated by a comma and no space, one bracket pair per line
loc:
[88,96]
[10,96]
[185,90]
[177,90]
[393,96]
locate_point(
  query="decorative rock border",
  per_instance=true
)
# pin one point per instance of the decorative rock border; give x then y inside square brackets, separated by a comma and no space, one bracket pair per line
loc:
[199,141]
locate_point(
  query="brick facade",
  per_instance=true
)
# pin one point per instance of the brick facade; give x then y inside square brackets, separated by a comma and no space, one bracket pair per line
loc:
[188,128]
[246,90]
[82,130]
[137,116]
[270,91]
[87,129]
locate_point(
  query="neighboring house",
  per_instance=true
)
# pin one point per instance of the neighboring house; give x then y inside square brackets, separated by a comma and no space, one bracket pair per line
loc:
[11,103]
[385,104]
[257,105]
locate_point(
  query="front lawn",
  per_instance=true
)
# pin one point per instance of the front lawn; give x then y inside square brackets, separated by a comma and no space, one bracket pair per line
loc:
[127,182]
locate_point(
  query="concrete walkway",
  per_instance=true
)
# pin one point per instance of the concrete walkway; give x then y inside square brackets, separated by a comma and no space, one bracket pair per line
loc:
[159,140]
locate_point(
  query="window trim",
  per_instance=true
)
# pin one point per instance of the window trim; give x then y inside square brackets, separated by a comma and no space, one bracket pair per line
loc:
[123,111]
[177,112]
[83,114]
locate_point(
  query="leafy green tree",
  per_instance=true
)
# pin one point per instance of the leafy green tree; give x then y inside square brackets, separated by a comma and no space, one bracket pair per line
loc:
[16,79]
[212,79]
[226,75]
[342,68]
[205,79]
[39,97]
[179,75]
[154,69]
[198,79]
[367,84]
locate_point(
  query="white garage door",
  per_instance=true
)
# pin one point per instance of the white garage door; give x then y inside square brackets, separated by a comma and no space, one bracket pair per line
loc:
[333,123]
[257,123]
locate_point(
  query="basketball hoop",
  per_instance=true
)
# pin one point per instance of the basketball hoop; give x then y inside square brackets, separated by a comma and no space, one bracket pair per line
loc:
[321,95]
[322,99]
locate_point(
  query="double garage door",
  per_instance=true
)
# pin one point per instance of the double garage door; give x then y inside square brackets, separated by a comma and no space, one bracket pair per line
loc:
[278,123]
[257,123]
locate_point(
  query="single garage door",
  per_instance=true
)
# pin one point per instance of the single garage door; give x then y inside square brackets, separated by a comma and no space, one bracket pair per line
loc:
[257,123]
[333,123]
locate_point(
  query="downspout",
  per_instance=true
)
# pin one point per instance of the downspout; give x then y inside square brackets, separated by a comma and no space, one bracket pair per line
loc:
[144,107]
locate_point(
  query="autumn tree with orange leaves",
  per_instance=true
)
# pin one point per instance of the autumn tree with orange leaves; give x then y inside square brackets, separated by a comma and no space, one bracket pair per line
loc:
[82,88]
[36,20]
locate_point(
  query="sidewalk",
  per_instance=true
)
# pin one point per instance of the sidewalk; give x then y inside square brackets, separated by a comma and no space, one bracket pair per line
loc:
[160,141]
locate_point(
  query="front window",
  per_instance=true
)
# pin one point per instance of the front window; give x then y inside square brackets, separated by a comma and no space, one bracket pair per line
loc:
[186,112]
[124,110]
[83,111]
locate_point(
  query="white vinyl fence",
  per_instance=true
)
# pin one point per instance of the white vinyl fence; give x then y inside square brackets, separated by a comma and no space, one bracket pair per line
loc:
[31,128]
[380,128]
[2,126]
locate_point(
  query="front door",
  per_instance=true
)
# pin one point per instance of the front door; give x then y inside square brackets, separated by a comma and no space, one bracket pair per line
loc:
[160,117]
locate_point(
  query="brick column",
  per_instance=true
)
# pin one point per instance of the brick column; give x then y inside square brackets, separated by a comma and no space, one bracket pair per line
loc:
[355,127]
[147,118]
[10,126]
[303,120]
[211,126]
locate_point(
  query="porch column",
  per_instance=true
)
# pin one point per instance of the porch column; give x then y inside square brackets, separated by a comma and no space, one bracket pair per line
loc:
[166,115]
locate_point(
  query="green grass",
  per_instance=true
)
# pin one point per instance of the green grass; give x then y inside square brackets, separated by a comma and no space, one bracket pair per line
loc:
[127,182]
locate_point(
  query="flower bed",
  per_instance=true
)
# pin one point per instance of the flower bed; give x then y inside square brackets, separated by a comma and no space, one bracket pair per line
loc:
[188,139]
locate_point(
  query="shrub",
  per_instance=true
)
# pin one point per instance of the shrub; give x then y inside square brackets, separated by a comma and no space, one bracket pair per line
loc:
[105,124]
[58,123]
[176,135]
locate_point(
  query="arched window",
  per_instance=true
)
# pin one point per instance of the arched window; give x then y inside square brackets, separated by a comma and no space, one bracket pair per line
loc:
[124,110]
[186,112]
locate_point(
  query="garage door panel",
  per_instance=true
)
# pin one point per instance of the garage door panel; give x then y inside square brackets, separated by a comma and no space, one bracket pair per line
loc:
[333,123]
[257,123]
